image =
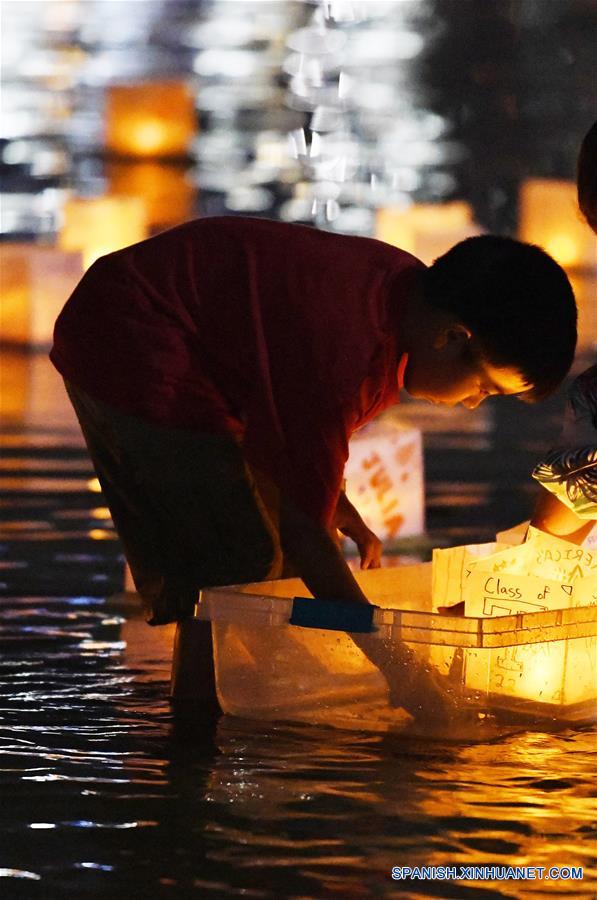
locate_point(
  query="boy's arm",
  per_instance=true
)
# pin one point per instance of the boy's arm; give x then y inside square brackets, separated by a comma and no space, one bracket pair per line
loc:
[317,557]
[325,572]
[554,517]
[350,523]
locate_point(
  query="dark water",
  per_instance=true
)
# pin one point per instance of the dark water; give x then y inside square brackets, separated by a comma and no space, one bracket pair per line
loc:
[109,792]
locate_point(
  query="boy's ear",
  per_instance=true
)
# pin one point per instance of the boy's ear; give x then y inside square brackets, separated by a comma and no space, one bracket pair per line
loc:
[454,336]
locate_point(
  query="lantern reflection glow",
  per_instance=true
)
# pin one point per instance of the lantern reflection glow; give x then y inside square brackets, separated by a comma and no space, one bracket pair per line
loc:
[100,225]
[167,190]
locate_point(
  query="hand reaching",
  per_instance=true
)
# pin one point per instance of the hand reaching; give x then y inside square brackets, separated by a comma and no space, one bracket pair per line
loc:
[349,522]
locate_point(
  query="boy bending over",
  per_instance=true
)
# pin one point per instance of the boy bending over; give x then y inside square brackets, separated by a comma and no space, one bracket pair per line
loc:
[219,369]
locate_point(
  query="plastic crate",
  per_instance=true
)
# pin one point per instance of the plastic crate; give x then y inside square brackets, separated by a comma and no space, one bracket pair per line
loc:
[280,658]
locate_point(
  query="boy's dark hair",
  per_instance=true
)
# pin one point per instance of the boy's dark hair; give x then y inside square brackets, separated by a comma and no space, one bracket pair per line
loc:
[516,300]
[587,177]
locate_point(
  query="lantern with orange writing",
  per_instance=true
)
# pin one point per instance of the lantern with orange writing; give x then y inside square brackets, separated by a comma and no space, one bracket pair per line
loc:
[384,479]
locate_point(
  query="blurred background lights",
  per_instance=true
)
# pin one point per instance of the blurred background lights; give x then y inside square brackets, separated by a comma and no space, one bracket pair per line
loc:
[122,118]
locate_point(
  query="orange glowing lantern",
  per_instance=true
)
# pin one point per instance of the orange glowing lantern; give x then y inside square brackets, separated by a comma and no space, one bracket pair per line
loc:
[536,588]
[152,119]
[36,282]
[167,190]
[549,217]
[426,230]
[384,479]
[32,392]
[99,225]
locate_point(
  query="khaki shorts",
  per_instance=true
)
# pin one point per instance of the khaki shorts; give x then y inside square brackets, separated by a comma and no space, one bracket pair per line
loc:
[188,510]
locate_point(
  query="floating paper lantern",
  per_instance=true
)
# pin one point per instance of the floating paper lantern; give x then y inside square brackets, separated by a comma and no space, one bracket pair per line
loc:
[167,190]
[99,225]
[152,119]
[384,479]
[515,670]
[555,672]
[33,393]
[549,217]
[426,230]
[36,282]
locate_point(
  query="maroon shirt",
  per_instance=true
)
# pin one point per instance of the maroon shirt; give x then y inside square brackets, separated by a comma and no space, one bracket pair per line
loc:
[281,335]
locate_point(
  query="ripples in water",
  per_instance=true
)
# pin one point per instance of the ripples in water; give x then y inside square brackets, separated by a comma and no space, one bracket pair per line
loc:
[107,791]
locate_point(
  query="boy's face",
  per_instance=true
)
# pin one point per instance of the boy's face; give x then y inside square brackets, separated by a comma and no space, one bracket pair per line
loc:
[451,371]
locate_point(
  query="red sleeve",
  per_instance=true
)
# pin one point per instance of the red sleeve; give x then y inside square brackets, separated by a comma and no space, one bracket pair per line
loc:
[317,461]
[303,447]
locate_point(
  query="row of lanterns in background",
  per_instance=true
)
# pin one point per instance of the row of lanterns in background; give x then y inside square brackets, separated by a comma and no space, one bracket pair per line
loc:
[37,277]
[150,137]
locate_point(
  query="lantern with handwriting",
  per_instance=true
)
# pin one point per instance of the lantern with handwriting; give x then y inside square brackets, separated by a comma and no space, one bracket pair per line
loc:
[151,119]
[36,282]
[99,225]
[549,217]
[384,479]
[518,665]
[426,230]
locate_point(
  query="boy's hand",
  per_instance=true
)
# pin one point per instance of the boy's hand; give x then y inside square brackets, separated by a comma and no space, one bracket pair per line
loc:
[348,521]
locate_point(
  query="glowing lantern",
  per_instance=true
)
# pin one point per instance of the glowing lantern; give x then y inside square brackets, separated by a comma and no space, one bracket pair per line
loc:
[99,225]
[426,230]
[33,393]
[384,479]
[153,119]
[167,190]
[36,282]
[534,580]
[549,217]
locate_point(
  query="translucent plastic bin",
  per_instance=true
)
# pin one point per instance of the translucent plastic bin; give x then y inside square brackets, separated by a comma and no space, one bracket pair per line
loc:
[536,666]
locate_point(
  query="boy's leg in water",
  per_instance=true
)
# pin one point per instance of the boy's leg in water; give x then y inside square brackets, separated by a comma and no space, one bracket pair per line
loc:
[185,508]
[184,505]
[190,515]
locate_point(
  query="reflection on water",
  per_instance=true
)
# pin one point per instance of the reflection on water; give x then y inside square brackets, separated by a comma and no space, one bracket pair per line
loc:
[106,791]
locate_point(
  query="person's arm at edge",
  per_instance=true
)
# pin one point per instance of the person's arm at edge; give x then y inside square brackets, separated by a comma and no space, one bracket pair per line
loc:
[554,517]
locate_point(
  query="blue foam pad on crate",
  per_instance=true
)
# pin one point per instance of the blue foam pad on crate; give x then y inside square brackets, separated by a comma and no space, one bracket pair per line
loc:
[335,615]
